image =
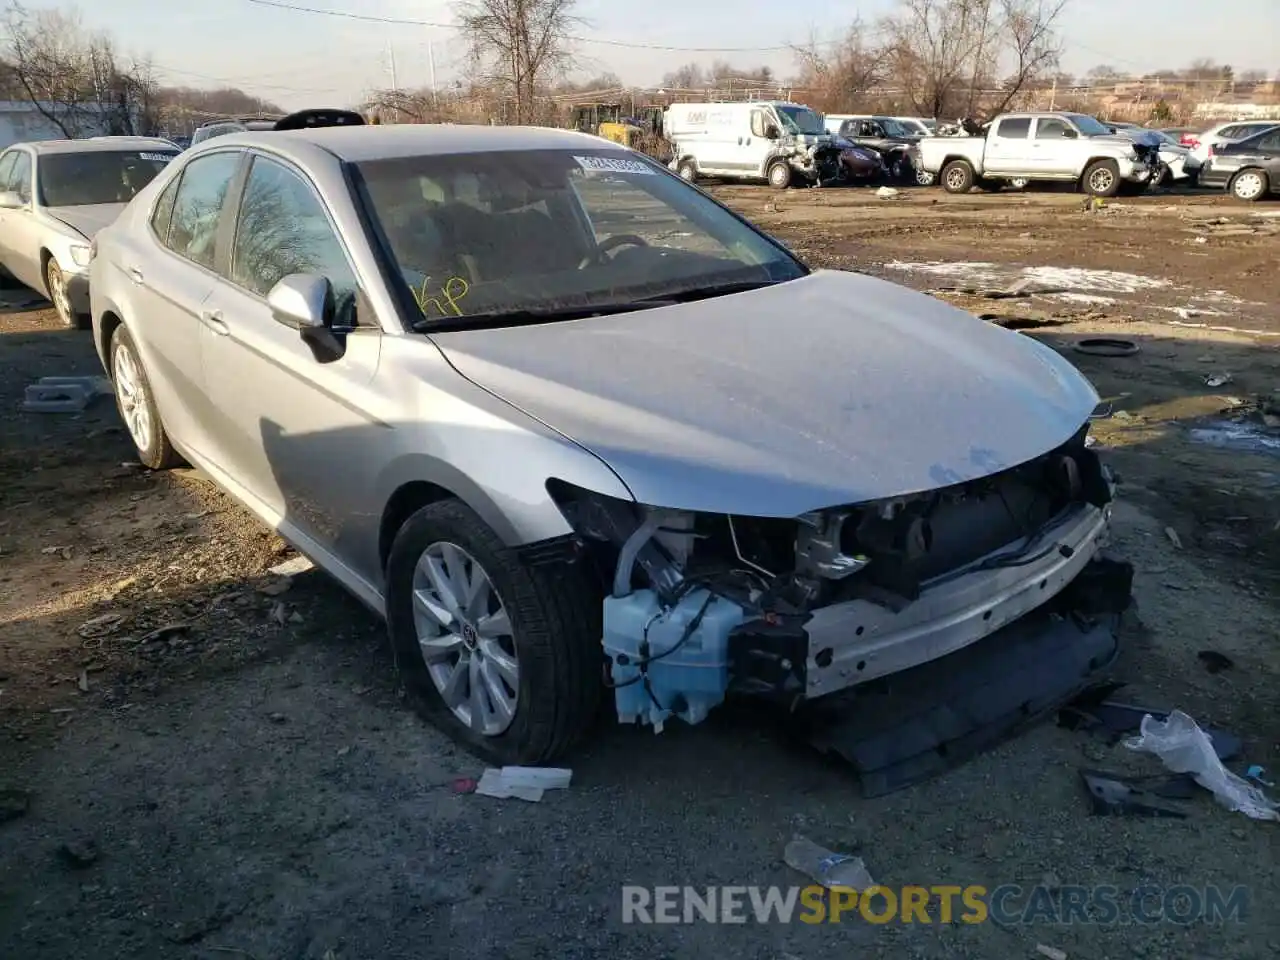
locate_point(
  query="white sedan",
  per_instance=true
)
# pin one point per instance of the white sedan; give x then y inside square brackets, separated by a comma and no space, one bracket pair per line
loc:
[55,195]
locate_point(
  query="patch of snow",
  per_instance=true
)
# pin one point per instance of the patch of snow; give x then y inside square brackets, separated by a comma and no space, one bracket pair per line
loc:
[1091,298]
[1107,281]
[1074,279]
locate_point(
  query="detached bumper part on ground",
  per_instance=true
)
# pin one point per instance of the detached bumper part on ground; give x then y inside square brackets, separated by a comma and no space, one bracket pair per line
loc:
[987,579]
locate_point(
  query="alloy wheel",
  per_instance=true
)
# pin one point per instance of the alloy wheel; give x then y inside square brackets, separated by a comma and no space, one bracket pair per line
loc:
[465,635]
[58,292]
[1101,180]
[131,396]
[955,179]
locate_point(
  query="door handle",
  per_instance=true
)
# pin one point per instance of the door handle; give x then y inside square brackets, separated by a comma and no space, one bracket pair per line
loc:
[135,274]
[213,320]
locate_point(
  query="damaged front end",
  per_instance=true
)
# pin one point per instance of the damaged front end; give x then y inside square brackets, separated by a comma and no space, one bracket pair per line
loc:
[700,605]
[815,159]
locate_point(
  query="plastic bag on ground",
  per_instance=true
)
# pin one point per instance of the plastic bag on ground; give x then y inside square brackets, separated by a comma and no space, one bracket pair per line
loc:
[1185,748]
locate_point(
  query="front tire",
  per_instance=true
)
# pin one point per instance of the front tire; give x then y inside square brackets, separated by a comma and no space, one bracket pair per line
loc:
[137,404]
[504,657]
[688,171]
[779,175]
[1102,178]
[56,287]
[958,177]
[1249,185]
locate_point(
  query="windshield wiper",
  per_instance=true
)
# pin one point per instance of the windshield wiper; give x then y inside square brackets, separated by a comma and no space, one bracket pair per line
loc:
[526,316]
[713,290]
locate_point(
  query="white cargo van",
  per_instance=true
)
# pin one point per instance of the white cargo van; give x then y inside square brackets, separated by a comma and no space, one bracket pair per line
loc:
[762,140]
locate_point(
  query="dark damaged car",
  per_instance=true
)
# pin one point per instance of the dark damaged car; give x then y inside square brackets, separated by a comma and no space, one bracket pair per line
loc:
[577,430]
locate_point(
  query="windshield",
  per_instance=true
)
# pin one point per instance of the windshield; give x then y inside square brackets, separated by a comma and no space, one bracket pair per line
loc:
[1089,126]
[551,230]
[801,120]
[892,128]
[98,176]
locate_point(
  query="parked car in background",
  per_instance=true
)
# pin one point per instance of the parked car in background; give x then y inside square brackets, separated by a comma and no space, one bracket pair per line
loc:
[1249,169]
[1226,132]
[771,140]
[886,136]
[320,117]
[917,126]
[1186,136]
[55,196]
[1028,147]
[860,163]
[1176,160]
[551,410]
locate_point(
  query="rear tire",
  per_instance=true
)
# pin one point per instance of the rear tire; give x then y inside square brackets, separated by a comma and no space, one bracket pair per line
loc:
[1101,179]
[137,405]
[957,177]
[1249,185]
[553,624]
[779,175]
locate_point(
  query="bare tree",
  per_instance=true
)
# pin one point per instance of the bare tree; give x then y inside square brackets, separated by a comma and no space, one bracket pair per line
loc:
[74,77]
[1105,73]
[850,70]
[689,77]
[519,44]
[1252,76]
[947,54]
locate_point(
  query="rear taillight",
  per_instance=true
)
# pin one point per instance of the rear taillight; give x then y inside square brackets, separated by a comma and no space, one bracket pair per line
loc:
[1209,152]
[1188,140]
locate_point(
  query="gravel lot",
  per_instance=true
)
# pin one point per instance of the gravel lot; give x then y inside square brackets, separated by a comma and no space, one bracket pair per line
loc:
[197,768]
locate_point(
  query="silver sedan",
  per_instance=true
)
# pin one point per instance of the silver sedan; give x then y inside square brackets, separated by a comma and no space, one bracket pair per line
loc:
[572,426]
[55,195]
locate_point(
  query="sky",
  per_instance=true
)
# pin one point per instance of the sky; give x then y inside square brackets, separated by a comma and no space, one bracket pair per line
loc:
[299,59]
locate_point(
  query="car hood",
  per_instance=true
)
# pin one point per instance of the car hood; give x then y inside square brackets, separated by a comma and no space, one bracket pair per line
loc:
[830,389]
[87,218]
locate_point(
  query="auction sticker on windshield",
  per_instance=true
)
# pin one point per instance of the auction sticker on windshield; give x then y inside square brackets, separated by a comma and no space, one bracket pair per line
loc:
[161,157]
[613,165]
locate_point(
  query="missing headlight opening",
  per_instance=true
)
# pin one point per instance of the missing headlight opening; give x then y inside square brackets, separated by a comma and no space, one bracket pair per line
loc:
[699,605]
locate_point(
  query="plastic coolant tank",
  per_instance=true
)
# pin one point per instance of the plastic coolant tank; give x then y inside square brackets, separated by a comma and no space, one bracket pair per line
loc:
[686,683]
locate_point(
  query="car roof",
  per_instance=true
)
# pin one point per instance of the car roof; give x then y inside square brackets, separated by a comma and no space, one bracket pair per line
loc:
[98,145]
[358,144]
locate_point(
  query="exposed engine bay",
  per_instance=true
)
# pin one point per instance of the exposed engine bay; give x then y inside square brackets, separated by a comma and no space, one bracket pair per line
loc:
[699,605]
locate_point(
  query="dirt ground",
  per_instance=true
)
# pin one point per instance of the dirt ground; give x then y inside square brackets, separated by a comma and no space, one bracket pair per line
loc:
[201,760]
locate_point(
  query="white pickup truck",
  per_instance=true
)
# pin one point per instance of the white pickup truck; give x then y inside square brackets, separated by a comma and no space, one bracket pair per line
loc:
[1025,147]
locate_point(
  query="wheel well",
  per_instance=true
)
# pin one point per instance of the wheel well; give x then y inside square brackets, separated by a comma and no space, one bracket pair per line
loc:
[953,158]
[404,503]
[45,257]
[106,329]
[1092,160]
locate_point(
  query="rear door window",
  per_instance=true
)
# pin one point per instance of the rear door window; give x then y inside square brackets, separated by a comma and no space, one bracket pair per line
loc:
[163,213]
[197,208]
[1050,128]
[20,176]
[6,167]
[1014,128]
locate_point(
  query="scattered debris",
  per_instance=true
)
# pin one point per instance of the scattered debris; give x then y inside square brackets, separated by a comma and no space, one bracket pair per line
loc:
[65,394]
[888,193]
[169,630]
[82,681]
[1184,748]
[522,783]
[292,567]
[1217,379]
[277,718]
[79,853]
[101,626]
[1093,710]
[1238,435]
[1255,773]
[1053,953]
[1214,661]
[1106,347]
[825,867]
[1172,534]
[14,804]
[276,587]
[1113,796]
[464,785]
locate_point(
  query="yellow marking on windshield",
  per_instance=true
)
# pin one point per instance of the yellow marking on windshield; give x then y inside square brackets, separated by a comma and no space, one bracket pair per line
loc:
[454,289]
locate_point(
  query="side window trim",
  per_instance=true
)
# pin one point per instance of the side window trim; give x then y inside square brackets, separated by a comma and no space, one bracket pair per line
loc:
[235,179]
[175,185]
[20,157]
[232,223]
[9,157]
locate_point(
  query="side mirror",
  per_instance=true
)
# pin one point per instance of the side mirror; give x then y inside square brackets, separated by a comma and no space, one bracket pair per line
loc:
[771,132]
[304,302]
[1069,134]
[10,201]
